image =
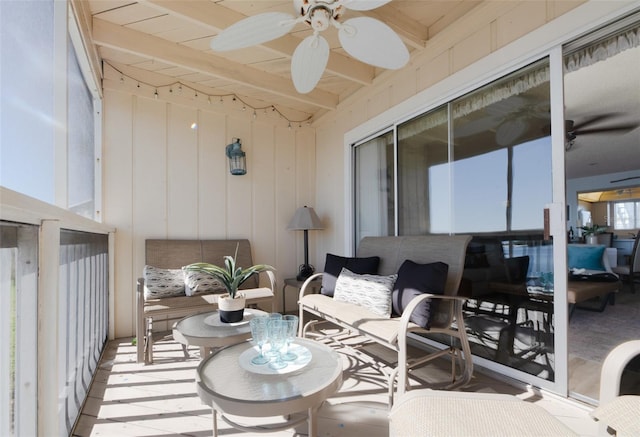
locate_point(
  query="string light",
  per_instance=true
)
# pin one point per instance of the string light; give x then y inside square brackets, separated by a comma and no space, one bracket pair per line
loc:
[221,97]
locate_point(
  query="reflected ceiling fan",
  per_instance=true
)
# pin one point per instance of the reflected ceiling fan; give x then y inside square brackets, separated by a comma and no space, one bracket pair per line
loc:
[574,129]
[366,39]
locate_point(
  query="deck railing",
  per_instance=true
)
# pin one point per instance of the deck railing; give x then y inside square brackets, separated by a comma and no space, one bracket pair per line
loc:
[54,313]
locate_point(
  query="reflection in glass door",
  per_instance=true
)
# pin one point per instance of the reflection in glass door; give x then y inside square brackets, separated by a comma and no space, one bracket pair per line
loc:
[603,133]
[501,184]
[482,165]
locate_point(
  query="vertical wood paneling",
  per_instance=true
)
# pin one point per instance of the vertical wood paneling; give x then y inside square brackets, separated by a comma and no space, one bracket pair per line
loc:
[285,203]
[150,168]
[117,200]
[164,180]
[239,188]
[212,175]
[263,177]
[182,172]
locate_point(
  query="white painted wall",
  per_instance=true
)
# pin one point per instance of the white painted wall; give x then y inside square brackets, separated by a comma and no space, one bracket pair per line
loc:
[163,179]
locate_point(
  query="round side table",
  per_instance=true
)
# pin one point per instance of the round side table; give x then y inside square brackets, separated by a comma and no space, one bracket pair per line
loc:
[233,388]
[206,330]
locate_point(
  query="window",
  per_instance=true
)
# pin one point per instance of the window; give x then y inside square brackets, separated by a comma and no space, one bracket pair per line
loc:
[81,146]
[33,132]
[26,108]
[626,215]
[375,192]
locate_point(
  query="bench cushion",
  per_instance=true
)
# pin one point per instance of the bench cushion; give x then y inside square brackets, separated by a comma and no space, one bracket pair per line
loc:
[579,291]
[193,304]
[356,317]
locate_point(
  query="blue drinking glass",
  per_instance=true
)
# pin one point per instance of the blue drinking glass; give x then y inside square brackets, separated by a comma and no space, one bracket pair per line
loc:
[277,336]
[292,330]
[259,332]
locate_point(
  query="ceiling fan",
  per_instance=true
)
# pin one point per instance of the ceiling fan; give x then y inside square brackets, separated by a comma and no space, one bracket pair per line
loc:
[366,39]
[574,129]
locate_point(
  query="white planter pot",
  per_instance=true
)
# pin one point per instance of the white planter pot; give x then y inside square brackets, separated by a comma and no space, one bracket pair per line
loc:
[231,310]
[592,239]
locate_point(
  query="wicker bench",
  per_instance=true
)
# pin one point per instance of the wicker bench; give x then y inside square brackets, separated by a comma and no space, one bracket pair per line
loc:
[392,332]
[174,254]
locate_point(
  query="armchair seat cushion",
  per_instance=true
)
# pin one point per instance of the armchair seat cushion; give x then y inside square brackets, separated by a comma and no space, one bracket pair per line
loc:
[360,318]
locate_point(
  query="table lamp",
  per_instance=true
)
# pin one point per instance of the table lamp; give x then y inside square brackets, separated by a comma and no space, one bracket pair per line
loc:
[305,219]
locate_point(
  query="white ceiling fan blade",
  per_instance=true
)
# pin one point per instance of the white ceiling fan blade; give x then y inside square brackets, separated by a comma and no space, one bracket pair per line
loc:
[364,5]
[308,63]
[253,30]
[371,41]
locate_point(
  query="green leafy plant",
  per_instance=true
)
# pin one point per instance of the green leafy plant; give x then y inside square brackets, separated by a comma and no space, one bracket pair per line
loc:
[593,229]
[231,276]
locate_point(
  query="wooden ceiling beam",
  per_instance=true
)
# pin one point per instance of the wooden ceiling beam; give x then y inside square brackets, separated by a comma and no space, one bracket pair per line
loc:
[412,32]
[218,18]
[131,41]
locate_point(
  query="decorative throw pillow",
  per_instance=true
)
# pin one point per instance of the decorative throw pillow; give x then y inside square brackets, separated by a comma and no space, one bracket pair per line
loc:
[369,291]
[159,283]
[583,256]
[415,279]
[201,283]
[333,266]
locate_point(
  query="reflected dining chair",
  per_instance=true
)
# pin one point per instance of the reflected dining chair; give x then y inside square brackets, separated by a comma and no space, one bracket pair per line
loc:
[631,271]
[605,238]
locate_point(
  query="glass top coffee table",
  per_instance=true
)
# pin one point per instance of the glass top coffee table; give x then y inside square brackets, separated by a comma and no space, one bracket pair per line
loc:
[208,332]
[228,383]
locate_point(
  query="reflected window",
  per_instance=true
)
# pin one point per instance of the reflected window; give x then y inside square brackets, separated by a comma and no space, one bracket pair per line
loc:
[374,187]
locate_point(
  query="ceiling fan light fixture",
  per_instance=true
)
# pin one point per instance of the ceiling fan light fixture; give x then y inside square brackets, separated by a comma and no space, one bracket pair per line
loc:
[366,39]
[320,18]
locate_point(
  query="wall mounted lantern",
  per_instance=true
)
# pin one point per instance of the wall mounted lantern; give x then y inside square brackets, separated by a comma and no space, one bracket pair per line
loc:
[304,219]
[237,159]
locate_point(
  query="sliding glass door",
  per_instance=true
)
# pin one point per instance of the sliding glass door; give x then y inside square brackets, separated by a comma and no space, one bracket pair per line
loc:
[479,165]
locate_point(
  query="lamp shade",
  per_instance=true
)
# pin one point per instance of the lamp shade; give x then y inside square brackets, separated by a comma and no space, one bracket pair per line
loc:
[304,218]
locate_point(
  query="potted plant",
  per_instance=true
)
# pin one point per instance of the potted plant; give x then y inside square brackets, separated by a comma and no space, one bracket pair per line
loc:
[230,305]
[591,232]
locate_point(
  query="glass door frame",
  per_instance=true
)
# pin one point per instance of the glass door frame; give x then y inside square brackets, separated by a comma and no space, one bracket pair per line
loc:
[556,216]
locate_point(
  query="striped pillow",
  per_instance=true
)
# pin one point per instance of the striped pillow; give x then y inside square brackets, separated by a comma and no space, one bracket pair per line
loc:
[369,291]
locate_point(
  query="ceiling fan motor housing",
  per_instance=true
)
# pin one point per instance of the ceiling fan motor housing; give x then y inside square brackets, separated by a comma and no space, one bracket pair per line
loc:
[318,14]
